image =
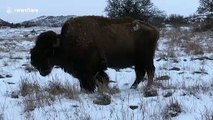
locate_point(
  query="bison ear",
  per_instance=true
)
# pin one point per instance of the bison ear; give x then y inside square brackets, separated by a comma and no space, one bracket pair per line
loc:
[57,42]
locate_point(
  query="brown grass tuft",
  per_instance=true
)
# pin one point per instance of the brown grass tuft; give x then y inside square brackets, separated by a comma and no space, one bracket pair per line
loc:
[207,115]
[192,43]
[173,109]
[37,96]
[66,90]
[102,99]
[193,48]
[27,87]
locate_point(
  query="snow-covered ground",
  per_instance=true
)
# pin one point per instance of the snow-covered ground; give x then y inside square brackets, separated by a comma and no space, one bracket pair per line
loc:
[184,82]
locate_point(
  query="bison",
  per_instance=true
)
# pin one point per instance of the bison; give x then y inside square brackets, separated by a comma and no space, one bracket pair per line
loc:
[88,45]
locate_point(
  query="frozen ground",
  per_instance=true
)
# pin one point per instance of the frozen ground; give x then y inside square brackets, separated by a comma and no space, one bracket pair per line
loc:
[184,82]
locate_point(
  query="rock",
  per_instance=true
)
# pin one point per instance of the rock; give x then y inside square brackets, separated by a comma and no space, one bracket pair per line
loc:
[25,65]
[16,58]
[14,95]
[8,76]
[1,76]
[75,106]
[202,58]
[200,72]
[162,58]
[5,76]
[133,107]
[175,61]
[165,77]
[175,69]
[168,94]
[181,73]
[11,83]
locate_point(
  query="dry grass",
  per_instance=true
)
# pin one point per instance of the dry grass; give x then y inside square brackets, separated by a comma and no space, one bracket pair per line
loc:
[209,48]
[37,96]
[102,99]
[2,110]
[38,100]
[34,95]
[198,88]
[66,90]
[190,89]
[207,115]
[193,48]
[192,43]
[5,63]
[172,109]
[103,88]
[7,45]
[27,87]
[29,68]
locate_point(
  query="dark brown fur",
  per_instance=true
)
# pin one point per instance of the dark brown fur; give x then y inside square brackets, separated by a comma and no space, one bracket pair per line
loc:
[90,44]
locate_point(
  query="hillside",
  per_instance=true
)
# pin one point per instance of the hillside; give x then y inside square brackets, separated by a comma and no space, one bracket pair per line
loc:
[4,23]
[42,21]
[48,21]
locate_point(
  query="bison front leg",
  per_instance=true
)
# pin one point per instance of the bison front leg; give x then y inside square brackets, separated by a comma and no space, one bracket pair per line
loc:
[87,82]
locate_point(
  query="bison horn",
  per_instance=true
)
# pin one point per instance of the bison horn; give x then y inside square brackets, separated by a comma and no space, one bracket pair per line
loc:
[57,43]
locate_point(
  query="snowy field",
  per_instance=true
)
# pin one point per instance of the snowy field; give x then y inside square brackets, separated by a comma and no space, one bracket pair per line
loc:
[183,79]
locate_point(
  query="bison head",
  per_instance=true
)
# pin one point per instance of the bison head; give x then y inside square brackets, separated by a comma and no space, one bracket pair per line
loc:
[42,54]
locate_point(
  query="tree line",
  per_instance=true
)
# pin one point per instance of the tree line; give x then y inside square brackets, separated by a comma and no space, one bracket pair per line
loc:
[146,11]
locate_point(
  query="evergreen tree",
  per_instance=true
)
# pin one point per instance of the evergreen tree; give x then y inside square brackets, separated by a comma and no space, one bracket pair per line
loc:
[206,7]
[140,9]
[176,20]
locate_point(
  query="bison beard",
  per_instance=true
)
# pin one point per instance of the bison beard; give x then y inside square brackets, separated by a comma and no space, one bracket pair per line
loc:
[88,45]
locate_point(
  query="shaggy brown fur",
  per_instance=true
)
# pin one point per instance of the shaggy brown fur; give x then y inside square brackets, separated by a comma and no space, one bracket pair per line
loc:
[90,44]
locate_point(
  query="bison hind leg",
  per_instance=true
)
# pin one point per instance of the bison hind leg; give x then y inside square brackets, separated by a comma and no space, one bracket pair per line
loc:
[150,74]
[140,73]
[150,89]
